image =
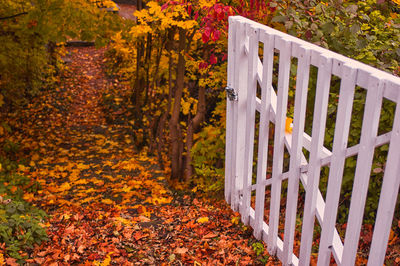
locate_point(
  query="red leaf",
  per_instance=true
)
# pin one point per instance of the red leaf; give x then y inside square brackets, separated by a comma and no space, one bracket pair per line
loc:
[216,35]
[206,35]
[213,59]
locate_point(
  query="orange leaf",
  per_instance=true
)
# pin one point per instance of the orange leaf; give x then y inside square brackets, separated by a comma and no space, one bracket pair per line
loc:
[12,262]
[210,235]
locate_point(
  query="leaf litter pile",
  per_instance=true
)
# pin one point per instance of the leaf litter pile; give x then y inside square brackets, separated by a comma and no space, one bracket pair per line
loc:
[107,203]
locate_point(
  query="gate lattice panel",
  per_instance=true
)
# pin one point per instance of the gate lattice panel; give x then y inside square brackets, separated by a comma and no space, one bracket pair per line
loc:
[246,73]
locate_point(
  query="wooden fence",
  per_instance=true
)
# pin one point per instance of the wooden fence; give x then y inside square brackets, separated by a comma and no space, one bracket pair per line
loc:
[254,105]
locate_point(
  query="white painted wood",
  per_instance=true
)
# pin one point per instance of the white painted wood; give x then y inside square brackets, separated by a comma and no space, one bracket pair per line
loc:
[363,168]
[318,132]
[239,175]
[284,47]
[229,173]
[389,194]
[265,106]
[240,84]
[303,72]
[250,121]
[342,126]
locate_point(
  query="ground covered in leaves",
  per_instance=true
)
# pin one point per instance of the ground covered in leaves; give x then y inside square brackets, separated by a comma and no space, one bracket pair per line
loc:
[108,203]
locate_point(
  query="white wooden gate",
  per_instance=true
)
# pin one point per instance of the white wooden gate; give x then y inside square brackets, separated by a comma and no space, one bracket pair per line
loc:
[245,73]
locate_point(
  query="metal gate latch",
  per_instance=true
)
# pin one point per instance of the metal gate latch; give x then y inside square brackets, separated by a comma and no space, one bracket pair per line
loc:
[232,95]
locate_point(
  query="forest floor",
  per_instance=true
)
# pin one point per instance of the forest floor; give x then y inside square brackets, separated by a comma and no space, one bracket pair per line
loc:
[108,203]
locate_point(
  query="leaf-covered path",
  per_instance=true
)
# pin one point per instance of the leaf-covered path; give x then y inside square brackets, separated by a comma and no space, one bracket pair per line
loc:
[107,203]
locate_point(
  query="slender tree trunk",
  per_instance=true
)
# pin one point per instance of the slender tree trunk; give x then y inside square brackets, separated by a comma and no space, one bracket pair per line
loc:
[138,87]
[174,126]
[147,65]
[193,126]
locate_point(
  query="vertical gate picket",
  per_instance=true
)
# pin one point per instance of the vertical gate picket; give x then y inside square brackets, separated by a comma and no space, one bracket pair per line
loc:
[284,47]
[240,83]
[230,119]
[250,122]
[342,127]
[318,133]
[266,87]
[389,192]
[363,168]
[303,72]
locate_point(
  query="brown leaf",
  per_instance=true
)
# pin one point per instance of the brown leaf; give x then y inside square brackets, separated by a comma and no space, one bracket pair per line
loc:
[181,250]
[39,260]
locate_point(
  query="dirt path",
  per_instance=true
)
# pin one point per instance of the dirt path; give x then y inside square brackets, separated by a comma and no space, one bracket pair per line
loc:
[106,202]
[126,11]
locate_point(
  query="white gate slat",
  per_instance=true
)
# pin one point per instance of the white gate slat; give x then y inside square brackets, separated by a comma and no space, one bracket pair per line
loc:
[230,105]
[387,201]
[303,70]
[266,87]
[250,121]
[280,118]
[363,168]
[240,84]
[318,133]
[343,119]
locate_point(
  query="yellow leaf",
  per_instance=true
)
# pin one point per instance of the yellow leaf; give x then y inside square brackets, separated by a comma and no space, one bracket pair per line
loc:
[235,220]
[82,166]
[126,189]
[107,201]
[106,261]
[28,197]
[21,167]
[202,220]
[65,186]
[185,107]
[289,125]
[66,216]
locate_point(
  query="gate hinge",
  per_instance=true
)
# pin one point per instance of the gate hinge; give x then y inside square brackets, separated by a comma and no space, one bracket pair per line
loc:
[232,94]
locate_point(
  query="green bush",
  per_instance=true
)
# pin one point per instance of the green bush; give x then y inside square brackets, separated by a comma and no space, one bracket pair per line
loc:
[20,223]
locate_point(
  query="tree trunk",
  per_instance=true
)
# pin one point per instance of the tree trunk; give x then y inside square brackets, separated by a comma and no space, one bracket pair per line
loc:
[174,126]
[139,82]
[193,126]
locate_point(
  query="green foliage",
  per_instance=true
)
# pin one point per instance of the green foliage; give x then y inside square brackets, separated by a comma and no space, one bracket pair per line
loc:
[363,30]
[30,32]
[258,248]
[20,223]
[20,227]
[209,152]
